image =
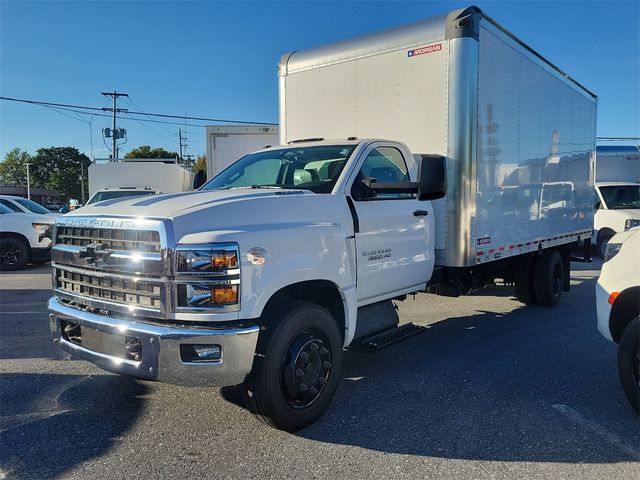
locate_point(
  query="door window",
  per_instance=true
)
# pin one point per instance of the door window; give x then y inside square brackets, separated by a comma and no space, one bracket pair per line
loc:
[385,164]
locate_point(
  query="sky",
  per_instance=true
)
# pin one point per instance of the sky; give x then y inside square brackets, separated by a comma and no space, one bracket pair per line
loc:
[219,59]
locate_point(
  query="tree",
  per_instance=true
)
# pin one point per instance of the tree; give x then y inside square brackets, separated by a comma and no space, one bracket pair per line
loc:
[60,168]
[200,164]
[13,170]
[145,151]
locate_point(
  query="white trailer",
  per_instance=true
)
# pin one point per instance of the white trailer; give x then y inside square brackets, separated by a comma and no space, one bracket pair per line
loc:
[618,163]
[159,175]
[228,143]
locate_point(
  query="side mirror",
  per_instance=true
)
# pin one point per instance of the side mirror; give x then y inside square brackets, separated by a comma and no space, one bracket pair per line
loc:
[199,179]
[432,177]
[597,205]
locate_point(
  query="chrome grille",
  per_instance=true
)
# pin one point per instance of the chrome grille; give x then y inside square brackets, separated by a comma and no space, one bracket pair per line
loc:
[147,241]
[127,291]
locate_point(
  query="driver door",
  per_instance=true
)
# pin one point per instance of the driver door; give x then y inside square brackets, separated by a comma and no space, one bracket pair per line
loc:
[393,239]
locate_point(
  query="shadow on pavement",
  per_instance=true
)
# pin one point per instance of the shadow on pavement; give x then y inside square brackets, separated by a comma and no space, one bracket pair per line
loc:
[82,416]
[24,325]
[489,386]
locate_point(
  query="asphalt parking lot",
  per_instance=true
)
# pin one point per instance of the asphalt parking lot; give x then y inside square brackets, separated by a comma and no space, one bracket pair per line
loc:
[491,390]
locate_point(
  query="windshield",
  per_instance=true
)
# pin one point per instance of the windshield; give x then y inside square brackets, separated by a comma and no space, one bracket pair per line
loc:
[311,168]
[621,197]
[111,194]
[32,206]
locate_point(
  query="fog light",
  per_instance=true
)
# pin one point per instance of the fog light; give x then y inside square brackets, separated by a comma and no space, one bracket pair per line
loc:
[200,353]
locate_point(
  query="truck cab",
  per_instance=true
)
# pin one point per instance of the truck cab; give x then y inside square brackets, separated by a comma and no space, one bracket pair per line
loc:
[617,210]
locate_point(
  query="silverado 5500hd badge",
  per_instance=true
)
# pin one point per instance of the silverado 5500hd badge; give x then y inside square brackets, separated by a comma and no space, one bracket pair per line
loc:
[378,254]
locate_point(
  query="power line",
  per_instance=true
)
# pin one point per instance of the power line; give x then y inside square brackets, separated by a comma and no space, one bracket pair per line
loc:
[147,114]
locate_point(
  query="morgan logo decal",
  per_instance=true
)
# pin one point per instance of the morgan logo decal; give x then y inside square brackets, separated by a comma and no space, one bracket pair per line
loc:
[422,50]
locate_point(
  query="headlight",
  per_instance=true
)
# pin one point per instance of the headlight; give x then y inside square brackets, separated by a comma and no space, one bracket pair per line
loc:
[208,277]
[207,295]
[44,230]
[207,260]
[631,222]
[611,251]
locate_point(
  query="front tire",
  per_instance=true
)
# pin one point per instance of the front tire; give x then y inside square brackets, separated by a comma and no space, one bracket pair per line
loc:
[603,241]
[629,363]
[297,369]
[14,254]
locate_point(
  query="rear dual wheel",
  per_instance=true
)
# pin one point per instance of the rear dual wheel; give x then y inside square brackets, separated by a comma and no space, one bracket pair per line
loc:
[297,369]
[540,279]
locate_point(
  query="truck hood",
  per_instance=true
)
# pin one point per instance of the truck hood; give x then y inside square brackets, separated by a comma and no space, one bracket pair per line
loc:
[200,216]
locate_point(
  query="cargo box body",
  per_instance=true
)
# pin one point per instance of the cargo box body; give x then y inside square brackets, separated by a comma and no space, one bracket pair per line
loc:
[618,163]
[518,134]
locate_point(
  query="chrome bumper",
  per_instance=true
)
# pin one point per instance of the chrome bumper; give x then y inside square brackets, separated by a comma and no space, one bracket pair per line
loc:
[161,359]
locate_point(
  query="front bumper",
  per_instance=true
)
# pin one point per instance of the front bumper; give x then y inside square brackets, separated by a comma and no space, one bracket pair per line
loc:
[161,358]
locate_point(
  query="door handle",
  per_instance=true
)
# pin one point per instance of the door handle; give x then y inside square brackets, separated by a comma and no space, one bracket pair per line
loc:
[420,213]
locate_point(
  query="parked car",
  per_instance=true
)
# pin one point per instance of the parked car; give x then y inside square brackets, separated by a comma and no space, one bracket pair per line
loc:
[618,307]
[23,205]
[57,207]
[24,238]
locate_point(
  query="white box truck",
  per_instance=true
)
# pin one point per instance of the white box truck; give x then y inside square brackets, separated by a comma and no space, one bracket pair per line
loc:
[228,143]
[435,157]
[109,179]
[618,192]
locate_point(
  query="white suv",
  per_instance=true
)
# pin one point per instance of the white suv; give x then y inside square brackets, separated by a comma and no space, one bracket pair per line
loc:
[618,306]
[24,238]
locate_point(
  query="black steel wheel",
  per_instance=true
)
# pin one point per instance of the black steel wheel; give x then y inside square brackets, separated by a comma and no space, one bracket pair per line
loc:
[14,254]
[297,367]
[629,363]
[305,368]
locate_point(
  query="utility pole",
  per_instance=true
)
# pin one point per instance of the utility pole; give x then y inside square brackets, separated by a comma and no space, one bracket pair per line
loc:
[114,135]
[181,139]
[28,183]
[82,180]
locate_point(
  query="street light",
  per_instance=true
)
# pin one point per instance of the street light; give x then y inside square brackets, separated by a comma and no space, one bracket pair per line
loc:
[28,183]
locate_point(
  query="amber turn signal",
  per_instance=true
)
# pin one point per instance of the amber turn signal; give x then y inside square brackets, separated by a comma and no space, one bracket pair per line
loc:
[224,295]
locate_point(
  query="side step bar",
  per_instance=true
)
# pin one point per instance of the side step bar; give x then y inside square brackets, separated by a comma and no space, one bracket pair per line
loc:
[387,337]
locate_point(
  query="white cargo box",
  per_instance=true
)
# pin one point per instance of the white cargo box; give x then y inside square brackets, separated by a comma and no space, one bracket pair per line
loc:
[517,132]
[166,175]
[228,143]
[618,163]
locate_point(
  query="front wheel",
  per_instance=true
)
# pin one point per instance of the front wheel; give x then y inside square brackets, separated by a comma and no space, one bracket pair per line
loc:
[629,363]
[297,368]
[602,244]
[14,254]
